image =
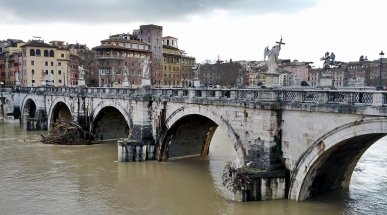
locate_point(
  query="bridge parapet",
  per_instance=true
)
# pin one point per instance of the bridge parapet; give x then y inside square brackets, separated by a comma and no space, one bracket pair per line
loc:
[311,96]
[283,95]
[270,129]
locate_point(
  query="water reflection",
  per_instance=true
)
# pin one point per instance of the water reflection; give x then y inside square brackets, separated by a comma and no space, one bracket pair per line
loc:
[47,179]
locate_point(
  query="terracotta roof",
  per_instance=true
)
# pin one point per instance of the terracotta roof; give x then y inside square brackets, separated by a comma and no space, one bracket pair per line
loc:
[37,44]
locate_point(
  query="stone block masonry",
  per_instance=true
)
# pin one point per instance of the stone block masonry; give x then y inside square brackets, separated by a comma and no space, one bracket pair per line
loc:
[290,136]
[134,150]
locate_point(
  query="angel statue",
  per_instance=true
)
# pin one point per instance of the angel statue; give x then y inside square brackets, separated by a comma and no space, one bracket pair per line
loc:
[145,68]
[272,56]
[81,72]
[195,70]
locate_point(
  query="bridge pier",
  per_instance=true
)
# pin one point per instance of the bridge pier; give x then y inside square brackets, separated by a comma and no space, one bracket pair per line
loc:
[263,162]
[132,150]
[290,140]
[37,123]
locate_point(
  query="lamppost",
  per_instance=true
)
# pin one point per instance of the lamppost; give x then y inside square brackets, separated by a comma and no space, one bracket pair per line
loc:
[380,87]
[2,101]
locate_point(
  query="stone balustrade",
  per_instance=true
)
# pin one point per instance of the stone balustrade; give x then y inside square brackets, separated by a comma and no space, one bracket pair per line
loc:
[316,96]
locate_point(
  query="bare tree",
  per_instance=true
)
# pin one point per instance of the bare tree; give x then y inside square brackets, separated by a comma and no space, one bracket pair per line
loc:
[111,70]
[89,62]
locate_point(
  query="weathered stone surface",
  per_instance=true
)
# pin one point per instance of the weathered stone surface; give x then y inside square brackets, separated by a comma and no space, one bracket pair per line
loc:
[303,132]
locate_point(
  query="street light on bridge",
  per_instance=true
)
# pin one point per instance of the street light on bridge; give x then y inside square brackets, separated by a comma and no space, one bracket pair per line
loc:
[2,101]
[380,87]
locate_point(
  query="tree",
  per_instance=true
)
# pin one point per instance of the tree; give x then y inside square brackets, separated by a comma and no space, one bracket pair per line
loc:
[89,62]
[111,69]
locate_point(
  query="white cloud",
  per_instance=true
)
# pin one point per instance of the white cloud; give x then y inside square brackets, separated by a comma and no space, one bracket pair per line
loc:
[349,28]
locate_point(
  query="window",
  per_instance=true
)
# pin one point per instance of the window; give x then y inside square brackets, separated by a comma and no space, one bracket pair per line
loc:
[45,53]
[38,52]
[52,63]
[33,72]
[46,72]
[33,81]
[59,63]
[32,62]
[32,52]
[62,55]
[60,81]
[52,71]
[60,72]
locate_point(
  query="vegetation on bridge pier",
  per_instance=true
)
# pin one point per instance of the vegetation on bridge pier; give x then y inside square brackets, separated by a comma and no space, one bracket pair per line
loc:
[234,178]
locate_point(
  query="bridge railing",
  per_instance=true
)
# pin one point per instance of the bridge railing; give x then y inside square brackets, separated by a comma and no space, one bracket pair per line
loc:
[333,97]
[359,97]
[90,91]
[350,97]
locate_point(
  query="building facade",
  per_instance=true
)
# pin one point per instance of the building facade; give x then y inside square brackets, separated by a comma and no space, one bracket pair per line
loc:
[121,57]
[171,63]
[44,64]
[152,35]
[10,61]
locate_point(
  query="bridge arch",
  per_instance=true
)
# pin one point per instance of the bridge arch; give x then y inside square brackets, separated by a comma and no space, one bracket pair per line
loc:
[29,108]
[60,109]
[328,164]
[201,122]
[59,106]
[110,122]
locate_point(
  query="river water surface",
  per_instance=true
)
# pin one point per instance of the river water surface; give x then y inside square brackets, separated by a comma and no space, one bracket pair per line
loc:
[49,179]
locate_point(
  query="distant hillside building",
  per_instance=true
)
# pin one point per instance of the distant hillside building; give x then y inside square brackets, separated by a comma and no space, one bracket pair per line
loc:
[294,72]
[352,74]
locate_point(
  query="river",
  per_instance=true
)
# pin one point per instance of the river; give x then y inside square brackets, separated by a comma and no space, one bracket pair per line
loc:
[50,179]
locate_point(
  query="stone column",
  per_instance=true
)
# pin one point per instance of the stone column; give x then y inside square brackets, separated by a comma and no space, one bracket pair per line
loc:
[42,120]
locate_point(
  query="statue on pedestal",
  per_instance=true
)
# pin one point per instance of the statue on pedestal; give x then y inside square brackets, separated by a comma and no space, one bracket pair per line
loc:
[272,56]
[326,79]
[17,79]
[81,72]
[43,81]
[81,76]
[272,74]
[51,79]
[195,70]
[329,60]
[125,82]
[145,68]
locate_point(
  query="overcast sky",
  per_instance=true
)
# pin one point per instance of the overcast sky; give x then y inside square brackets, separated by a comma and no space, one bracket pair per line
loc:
[237,29]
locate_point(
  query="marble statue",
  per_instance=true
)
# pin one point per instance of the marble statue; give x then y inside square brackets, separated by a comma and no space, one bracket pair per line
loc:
[272,57]
[329,60]
[145,68]
[51,79]
[195,70]
[17,77]
[81,72]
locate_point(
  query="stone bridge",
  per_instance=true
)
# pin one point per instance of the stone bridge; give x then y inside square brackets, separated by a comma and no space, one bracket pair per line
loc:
[301,142]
